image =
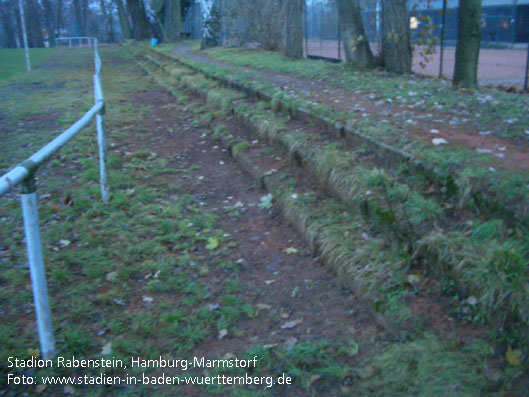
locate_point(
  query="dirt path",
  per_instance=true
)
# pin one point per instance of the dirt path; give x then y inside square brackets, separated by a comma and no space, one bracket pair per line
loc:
[288,288]
[459,127]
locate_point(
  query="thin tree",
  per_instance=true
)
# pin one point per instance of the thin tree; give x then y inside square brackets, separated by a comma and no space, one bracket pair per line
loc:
[468,43]
[357,51]
[58,23]
[173,19]
[49,20]
[294,28]
[123,20]
[396,46]
[8,24]
[107,16]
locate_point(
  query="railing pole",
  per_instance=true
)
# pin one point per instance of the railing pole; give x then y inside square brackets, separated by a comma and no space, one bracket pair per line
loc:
[101,139]
[36,266]
[24,34]
[442,40]
[526,69]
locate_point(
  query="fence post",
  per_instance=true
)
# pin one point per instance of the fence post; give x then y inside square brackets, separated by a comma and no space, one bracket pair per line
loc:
[339,37]
[36,267]
[526,68]
[69,43]
[442,39]
[101,138]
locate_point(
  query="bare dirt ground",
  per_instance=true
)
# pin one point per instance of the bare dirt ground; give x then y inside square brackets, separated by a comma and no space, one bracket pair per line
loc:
[457,127]
[269,275]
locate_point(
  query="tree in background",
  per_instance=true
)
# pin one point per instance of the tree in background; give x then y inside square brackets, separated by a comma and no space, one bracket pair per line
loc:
[357,51]
[293,26]
[140,25]
[468,43]
[211,36]
[106,10]
[396,45]
[123,20]
[248,22]
[173,19]
[9,25]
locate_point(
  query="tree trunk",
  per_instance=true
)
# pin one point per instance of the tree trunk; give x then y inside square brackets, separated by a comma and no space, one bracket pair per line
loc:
[173,19]
[140,25]
[34,27]
[8,16]
[468,43]
[154,22]
[357,50]
[49,20]
[84,26]
[58,22]
[294,28]
[123,20]
[78,18]
[396,46]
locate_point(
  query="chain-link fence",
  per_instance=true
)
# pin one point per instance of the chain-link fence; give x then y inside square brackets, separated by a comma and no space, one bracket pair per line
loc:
[504,55]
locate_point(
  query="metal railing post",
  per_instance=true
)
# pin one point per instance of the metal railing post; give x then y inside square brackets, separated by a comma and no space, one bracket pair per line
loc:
[36,266]
[526,69]
[69,43]
[101,136]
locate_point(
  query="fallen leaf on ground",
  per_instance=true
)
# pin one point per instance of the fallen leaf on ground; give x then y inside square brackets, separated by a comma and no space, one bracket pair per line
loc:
[64,243]
[314,378]
[268,282]
[213,242]
[439,141]
[292,324]
[290,250]
[107,349]
[112,277]
[514,357]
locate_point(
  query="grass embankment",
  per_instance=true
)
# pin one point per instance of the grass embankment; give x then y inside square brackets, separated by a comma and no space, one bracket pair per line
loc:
[398,89]
[377,267]
[14,62]
[479,254]
[459,171]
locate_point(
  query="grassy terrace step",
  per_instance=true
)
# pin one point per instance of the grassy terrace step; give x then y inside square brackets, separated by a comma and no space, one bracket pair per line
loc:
[455,170]
[484,259]
[371,266]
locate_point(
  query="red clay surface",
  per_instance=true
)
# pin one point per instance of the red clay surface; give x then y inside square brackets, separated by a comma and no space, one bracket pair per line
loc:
[496,67]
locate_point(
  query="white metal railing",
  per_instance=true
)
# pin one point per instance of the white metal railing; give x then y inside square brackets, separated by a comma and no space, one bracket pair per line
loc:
[91,41]
[24,175]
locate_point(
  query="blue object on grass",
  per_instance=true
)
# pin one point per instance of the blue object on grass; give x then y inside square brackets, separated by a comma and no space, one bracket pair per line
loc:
[154,41]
